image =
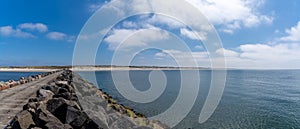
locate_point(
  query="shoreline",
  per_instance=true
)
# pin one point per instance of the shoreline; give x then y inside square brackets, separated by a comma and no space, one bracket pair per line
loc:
[26,70]
[129,68]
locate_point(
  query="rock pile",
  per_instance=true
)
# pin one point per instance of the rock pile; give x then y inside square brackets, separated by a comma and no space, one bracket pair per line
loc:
[112,115]
[63,104]
[23,80]
[54,107]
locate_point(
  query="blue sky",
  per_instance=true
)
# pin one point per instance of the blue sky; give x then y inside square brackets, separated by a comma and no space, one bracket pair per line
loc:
[254,33]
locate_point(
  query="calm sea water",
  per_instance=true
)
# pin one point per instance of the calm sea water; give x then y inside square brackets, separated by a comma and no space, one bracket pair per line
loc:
[252,99]
[5,76]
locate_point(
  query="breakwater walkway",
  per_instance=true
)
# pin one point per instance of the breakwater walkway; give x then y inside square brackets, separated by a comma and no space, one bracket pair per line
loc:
[64,100]
[12,100]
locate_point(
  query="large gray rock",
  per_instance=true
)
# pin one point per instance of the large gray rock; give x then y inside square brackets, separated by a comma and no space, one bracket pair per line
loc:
[45,95]
[122,123]
[53,125]
[23,120]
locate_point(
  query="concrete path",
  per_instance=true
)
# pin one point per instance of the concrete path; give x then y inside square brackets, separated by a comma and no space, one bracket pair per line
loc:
[12,100]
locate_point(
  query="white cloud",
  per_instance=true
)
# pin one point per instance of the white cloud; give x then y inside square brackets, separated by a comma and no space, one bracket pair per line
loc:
[293,33]
[198,47]
[130,24]
[279,52]
[6,30]
[161,19]
[269,55]
[234,14]
[248,56]
[228,31]
[186,58]
[148,35]
[9,31]
[95,6]
[226,52]
[160,54]
[229,16]
[56,36]
[264,56]
[34,26]
[192,35]
[60,36]
[25,30]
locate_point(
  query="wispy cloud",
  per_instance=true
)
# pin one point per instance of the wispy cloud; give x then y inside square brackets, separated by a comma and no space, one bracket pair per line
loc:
[95,6]
[60,36]
[56,35]
[34,26]
[192,35]
[228,16]
[234,14]
[33,30]
[293,33]
[253,56]
[146,36]
[9,31]
[198,47]
[282,53]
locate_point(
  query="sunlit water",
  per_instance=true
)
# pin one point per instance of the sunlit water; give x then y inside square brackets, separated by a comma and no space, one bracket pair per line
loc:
[5,76]
[252,99]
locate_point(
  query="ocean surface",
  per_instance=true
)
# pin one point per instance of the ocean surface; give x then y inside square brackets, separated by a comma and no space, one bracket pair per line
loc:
[262,99]
[5,76]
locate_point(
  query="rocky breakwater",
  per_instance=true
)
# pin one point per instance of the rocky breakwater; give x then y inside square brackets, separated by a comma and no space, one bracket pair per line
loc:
[71,102]
[23,80]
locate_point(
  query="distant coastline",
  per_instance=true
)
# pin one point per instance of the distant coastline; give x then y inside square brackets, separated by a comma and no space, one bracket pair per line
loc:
[92,68]
[120,68]
[25,70]
[30,68]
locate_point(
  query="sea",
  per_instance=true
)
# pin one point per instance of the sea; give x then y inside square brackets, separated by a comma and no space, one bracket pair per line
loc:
[252,99]
[6,76]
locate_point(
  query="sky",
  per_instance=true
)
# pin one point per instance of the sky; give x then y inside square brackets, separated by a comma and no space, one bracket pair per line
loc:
[255,34]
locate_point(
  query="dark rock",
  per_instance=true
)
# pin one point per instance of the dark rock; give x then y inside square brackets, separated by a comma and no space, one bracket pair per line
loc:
[36,128]
[58,108]
[43,117]
[91,125]
[31,105]
[23,120]
[33,100]
[62,90]
[142,127]
[65,95]
[52,88]
[44,95]
[54,125]
[122,123]
[72,114]
[80,120]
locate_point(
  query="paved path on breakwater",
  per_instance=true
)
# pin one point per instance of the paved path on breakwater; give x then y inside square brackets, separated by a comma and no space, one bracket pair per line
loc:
[12,100]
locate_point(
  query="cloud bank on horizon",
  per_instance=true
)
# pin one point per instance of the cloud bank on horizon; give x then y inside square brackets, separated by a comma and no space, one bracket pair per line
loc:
[256,34]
